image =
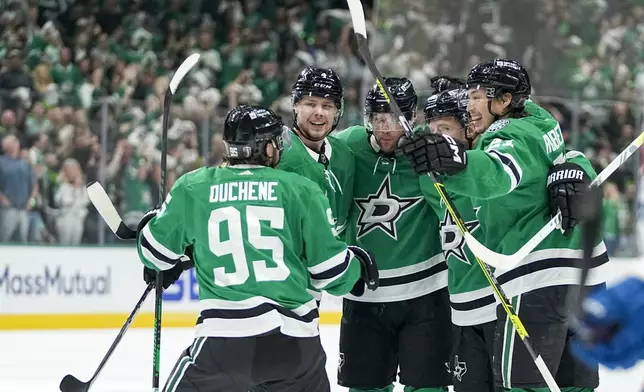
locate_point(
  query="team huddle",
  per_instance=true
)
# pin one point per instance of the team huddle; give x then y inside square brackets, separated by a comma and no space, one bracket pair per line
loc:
[295,212]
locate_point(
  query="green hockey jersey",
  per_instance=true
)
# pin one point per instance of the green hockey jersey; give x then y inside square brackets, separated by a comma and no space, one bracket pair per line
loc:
[335,181]
[261,236]
[471,296]
[505,178]
[390,218]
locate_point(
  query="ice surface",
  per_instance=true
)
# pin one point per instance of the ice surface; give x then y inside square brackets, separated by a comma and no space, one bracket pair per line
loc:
[37,361]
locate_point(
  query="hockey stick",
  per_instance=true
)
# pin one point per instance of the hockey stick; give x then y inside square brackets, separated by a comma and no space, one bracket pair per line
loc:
[506,262]
[359,26]
[178,76]
[70,383]
[591,219]
[107,211]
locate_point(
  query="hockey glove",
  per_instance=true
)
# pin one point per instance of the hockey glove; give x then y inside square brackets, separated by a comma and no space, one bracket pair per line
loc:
[169,276]
[173,274]
[567,183]
[369,275]
[619,309]
[444,83]
[429,152]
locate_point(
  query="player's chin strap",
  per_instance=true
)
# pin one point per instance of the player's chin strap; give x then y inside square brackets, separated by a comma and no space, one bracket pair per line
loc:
[381,154]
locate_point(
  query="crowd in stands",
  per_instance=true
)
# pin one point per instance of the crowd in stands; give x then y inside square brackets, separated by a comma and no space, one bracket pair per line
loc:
[82,84]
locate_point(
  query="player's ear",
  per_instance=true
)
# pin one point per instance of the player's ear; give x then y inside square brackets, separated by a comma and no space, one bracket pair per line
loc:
[505,99]
[270,150]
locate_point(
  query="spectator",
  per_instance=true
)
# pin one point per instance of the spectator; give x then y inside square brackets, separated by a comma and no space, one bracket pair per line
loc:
[44,85]
[72,200]
[8,123]
[15,76]
[37,121]
[18,188]
[243,91]
[100,70]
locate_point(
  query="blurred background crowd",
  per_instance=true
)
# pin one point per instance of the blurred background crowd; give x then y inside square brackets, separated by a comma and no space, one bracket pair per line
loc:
[82,84]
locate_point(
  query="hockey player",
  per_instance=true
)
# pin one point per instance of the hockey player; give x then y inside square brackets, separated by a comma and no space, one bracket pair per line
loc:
[472,300]
[405,323]
[260,236]
[620,310]
[474,309]
[318,102]
[504,176]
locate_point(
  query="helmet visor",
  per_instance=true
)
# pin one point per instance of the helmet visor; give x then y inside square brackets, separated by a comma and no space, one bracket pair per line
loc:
[382,122]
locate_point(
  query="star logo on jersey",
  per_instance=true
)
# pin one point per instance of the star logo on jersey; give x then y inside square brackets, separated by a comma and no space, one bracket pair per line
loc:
[452,239]
[382,210]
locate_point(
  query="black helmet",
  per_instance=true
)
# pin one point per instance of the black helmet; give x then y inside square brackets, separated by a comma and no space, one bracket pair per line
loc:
[247,129]
[402,91]
[319,82]
[502,76]
[447,103]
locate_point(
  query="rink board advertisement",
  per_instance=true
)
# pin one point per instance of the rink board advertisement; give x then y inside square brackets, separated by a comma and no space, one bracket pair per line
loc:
[93,287]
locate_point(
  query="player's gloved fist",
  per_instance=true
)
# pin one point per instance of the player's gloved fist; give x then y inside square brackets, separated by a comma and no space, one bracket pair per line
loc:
[172,275]
[369,275]
[169,276]
[619,310]
[430,152]
[443,83]
[567,183]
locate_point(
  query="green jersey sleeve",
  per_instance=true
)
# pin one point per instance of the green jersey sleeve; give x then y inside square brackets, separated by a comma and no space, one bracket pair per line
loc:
[163,240]
[510,154]
[332,266]
[493,172]
[581,160]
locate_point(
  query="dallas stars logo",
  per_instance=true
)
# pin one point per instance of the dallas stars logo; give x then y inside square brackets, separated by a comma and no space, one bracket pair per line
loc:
[452,239]
[382,210]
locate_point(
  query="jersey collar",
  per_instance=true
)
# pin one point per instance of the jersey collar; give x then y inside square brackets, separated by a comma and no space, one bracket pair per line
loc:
[314,155]
[245,166]
[373,143]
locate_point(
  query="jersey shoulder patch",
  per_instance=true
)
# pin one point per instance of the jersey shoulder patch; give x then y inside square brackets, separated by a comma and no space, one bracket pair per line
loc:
[498,125]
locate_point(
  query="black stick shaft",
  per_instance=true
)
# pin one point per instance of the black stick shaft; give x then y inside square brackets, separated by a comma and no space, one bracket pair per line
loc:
[158,299]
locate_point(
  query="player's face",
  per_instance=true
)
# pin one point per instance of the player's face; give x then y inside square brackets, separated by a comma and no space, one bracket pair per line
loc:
[315,116]
[387,130]
[477,109]
[450,126]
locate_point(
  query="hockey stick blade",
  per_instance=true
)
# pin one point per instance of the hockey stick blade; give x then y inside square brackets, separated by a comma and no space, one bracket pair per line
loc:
[70,383]
[506,262]
[107,211]
[183,69]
